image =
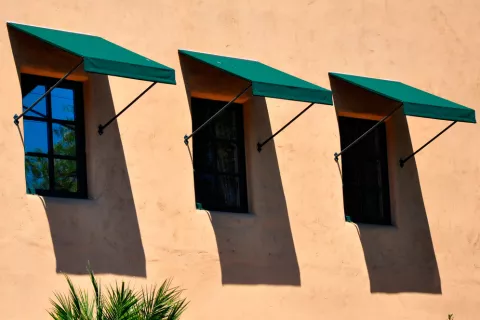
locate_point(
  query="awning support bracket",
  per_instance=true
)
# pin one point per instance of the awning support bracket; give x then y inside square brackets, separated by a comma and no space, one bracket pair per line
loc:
[261,144]
[186,137]
[403,160]
[101,128]
[18,117]
[336,155]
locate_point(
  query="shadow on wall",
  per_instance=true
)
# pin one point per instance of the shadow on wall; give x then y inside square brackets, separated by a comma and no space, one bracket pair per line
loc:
[102,230]
[255,248]
[402,258]
[258,248]
[399,258]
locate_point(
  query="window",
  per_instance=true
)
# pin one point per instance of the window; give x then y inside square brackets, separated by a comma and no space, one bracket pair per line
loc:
[365,172]
[219,157]
[54,138]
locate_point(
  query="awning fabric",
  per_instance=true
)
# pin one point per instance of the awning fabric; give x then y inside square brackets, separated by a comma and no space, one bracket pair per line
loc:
[416,102]
[266,81]
[102,56]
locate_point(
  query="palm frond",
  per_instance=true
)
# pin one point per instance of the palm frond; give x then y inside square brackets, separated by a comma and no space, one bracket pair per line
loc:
[81,305]
[120,303]
[98,294]
[177,309]
[74,306]
[62,308]
[162,303]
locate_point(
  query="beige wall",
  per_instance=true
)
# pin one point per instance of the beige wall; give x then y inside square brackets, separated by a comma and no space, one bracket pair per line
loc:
[295,257]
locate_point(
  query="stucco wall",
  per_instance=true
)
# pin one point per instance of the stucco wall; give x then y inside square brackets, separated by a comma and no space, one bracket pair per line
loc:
[294,257]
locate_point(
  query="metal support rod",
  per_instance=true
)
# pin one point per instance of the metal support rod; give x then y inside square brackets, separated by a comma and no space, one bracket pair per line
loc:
[102,127]
[17,117]
[336,155]
[186,137]
[261,144]
[403,160]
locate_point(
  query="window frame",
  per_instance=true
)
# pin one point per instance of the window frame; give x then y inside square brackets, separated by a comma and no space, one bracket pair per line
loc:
[30,81]
[384,215]
[240,144]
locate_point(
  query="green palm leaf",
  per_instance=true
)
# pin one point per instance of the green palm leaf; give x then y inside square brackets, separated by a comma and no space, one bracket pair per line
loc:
[162,303]
[120,303]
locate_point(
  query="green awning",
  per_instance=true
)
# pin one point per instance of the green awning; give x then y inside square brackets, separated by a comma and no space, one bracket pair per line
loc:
[266,81]
[102,56]
[416,102]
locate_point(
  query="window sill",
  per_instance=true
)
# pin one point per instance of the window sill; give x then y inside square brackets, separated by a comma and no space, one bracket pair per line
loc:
[229,213]
[62,199]
[372,226]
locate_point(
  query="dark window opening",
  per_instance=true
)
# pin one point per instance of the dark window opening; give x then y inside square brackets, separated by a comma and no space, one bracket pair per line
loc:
[54,138]
[366,193]
[219,157]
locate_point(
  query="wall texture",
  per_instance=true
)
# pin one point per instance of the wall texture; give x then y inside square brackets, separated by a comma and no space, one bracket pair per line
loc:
[294,257]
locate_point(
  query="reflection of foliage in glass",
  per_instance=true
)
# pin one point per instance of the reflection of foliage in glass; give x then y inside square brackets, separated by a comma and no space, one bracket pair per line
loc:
[65,134]
[65,175]
[65,171]
[36,169]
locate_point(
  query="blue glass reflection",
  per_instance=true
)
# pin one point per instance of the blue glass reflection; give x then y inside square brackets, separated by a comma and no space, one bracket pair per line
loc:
[64,139]
[40,109]
[36,171]
[35,134]
[66,175]
[62,104]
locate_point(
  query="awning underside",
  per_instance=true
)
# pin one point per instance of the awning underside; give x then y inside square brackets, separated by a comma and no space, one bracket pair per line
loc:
[415,102]
[266,81]
[102,56]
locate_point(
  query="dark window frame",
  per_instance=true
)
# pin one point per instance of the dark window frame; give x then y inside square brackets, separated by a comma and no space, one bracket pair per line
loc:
[239,142]
[30,81]
[357,165]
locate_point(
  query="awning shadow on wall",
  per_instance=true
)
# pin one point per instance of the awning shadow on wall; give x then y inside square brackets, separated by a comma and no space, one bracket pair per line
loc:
[255,248]
[399,258]
[258,249]
[402,258]
[102,230]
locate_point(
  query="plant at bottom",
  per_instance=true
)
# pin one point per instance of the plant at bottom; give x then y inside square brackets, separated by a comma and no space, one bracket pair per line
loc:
[120,302]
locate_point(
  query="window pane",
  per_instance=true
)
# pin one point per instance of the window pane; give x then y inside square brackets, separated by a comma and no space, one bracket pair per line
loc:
[365,172]
[229,191]
[219,157]
[225,125]
[63,104]
[64,142]
[35,136]
[66,175]
[217,192]
[40,110]
[227,157]
[204,151]
[36,172]
[205,189]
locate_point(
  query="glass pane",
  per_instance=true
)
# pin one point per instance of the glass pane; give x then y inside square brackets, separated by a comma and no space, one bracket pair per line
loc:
[205,190]
[63,104]
[229,191]
[204,151]
[225,125]
[36,172]
[227,157]
[35,136]
[64,142]
[40,110]
[66,175]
